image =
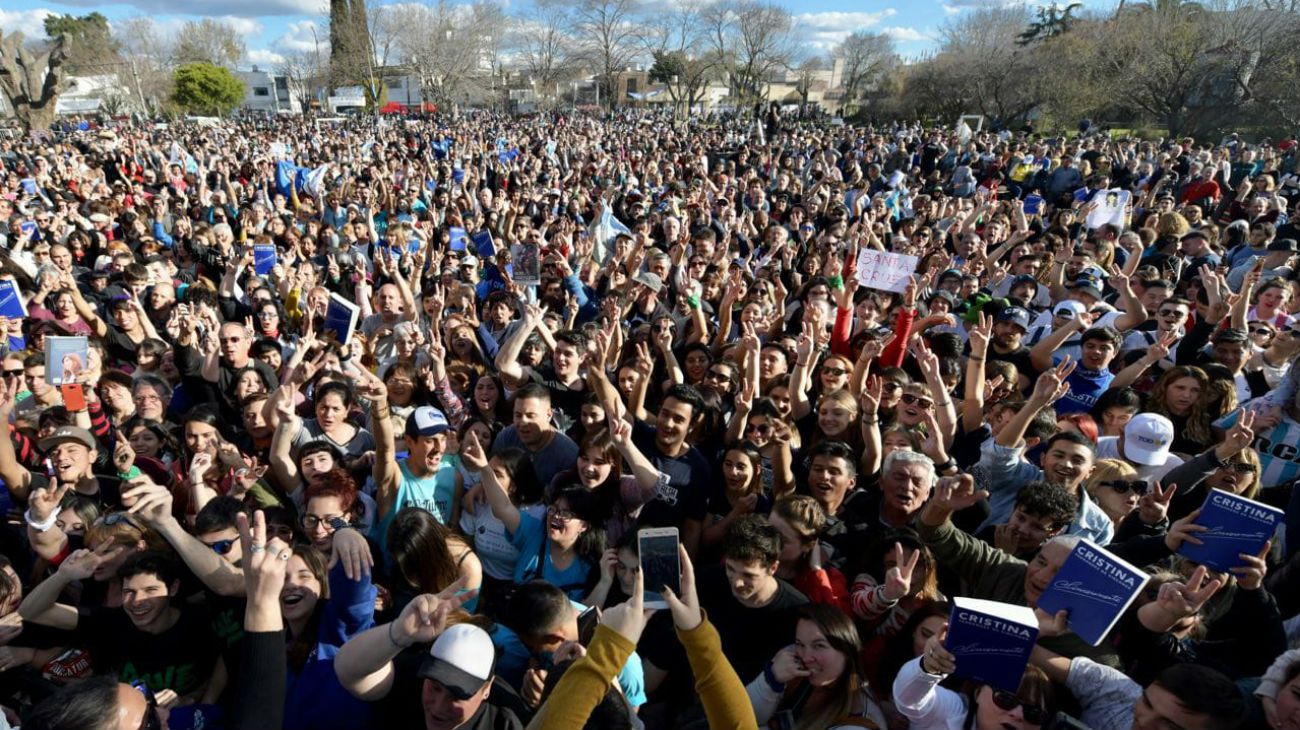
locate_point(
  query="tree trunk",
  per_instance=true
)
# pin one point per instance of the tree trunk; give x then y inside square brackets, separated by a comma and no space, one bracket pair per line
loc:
[32,81]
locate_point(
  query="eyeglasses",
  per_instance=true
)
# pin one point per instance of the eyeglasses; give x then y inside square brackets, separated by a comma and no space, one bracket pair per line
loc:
[715,375]
[311,522]
[1241,467]
[563,515]
[1124,487]
[1172,313]
[269,314]
[833,372]
[221,547]
[150,721]
[924,403]
[1034,715]
[889,386]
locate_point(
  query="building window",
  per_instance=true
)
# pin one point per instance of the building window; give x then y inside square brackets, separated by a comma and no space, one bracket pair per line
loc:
[261,91]
[631,85]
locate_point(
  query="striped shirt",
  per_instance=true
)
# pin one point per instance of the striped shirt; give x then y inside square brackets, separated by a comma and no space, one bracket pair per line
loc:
[1278,448]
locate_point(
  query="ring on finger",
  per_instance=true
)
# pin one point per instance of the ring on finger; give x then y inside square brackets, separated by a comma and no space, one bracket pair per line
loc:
[255,548]
[284,554]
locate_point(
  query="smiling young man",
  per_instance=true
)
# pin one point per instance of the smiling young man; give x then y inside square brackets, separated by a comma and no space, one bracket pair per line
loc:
[1067,462]
[167,645]
[424,479]
[1042,511]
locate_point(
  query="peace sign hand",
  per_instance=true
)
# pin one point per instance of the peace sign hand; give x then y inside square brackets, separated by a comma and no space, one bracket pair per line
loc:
[1239,437]
[426,617]
[1153,506]
[1052,385]
[898,579]
[44,502]
[1185,599]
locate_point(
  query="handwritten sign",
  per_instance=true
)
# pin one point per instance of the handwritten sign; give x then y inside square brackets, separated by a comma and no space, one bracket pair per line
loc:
[885,271]
[1109,208]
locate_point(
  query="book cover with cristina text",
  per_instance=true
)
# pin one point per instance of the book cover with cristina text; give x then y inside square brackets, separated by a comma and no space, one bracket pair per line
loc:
[1095,587]
[991,641]
[1236,525]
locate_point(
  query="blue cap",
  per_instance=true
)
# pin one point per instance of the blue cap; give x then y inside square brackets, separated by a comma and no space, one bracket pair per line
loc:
[426,421]
[1014,315]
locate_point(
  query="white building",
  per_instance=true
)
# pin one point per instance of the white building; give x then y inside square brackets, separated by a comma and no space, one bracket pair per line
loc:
[267,92]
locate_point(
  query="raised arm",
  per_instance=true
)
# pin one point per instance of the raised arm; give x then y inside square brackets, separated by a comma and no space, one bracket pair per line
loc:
[474,457]
[1158,351]
[972,405]
[1041,354]
[41,606]
[386,473]
[152,503]
[1051,386]
[507,360]
[1134,312]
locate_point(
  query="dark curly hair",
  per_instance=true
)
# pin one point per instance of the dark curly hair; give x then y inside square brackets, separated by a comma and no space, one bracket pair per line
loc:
[1042,499]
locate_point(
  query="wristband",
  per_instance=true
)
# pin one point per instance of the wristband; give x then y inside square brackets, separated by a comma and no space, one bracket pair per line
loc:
[836,282]
[129,474]
[396,643]
[693,301]
[40,526]
[770,678]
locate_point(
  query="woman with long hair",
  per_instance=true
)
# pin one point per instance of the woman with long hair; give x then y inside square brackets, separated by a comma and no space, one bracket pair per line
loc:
[1180,395]
[927,706]
[428,557]
[512,469]
[741,492]
[818,683]
[599,469]
[898,575]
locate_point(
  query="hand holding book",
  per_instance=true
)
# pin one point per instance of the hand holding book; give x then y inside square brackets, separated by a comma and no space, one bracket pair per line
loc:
[1251,575]
[936,659]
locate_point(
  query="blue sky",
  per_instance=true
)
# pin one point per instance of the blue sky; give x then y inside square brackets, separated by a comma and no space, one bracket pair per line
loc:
[272,27]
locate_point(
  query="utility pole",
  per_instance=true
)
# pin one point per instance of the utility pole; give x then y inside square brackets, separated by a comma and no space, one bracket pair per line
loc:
[135,74]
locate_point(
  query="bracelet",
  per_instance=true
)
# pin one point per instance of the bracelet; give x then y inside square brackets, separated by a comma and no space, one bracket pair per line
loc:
[396,643]
[872,422]
[944,404]
[40,526]
[770,678]
[976,359]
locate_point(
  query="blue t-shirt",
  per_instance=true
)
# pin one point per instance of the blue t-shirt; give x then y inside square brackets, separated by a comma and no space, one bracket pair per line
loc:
[434,493]
[531,541]
[1086,386]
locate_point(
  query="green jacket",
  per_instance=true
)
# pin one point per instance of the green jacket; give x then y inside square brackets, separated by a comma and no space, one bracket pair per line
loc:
[994,575]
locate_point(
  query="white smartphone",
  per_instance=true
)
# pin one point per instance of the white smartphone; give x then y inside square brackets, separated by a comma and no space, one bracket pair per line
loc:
[660,564]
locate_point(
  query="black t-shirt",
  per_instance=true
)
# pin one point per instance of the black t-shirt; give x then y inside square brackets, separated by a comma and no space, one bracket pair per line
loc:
[1018,357]
[404,706]
[109,496]
[180,658]
[119,346]
[565,399]
[750,636]
[685,495]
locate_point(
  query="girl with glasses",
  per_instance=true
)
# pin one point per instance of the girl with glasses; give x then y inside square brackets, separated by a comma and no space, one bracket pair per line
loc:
[1110,486]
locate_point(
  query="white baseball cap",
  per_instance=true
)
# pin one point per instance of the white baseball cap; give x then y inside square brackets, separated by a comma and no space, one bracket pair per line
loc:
[461,659]
[1147,438]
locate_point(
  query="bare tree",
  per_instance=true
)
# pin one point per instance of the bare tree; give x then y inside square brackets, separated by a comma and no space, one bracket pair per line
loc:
[545,48]
[149,57]
[453,49]
[306,71]
[607,37]
[208,41]
[867,57]
[683,62]
[752,39]
[32,79]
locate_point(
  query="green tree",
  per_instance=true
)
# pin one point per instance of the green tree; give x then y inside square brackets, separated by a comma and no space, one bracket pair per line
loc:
[1052,21]
[91,46]
[201,88]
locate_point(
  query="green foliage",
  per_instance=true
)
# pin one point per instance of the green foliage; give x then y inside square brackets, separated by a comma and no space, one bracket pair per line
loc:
[201,88]
[667,65]
[91,45]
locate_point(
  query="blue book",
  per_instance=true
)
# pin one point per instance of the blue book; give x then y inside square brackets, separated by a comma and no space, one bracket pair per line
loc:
[1033,204]
[66,359]
[29,186]
[264,258]
[991,641]
[484,245]
[341,319]
[458,175]
[459,238]
[11,301]
[1095,587]
[1236,525]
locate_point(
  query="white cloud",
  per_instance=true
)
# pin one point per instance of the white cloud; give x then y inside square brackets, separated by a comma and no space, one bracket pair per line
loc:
[900,33]
[242,26]
[302,35]
[951,9]
[30,22]
[825,30]
[216,8]
[264,59]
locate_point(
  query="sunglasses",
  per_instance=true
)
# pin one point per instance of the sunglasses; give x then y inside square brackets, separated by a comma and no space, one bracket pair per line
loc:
[222,547]
[1034,715]
[311,522]
[117,518]
[150,721]
[1123,487]
[715,375]
[1241,467]
[1172,313]
[760,428]
[1264,331]
[890,386]
[14,373]
[924,403]
[833,372]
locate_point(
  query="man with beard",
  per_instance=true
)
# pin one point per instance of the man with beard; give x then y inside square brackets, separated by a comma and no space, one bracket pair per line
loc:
[1067,461]
[168,645]
[1009,328]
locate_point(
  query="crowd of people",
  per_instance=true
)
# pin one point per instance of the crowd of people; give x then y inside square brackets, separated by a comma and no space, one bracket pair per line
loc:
[238,513]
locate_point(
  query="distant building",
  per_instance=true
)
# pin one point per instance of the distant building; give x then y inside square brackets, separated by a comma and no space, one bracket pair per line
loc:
[268,92]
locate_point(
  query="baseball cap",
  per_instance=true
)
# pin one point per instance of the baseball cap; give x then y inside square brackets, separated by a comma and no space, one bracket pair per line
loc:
[68,434]
[1024,279]
[461,659]
[1195,233]
[1015,315]
[649,280]
[943,294]
[426,421]
[1069,309]
[1086,286]
[1147,438]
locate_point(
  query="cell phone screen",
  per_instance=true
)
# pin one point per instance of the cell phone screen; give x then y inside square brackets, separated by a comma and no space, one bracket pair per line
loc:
[661,565]
[587,621]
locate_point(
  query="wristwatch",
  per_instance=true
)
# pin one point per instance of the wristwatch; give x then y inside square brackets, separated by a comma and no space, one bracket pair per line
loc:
[338,523]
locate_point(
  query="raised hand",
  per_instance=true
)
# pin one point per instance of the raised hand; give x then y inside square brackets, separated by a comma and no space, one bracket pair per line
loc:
[1184,531]
[1251,575]
[149,501]
[1052,385]
[869,401]
[352,549]
[1154,505]
[426,616]
[471,452]
[628,618]
[786,666]
[1240,436]
[1185,599]
[81,564]
[936,659]
[44,502]
[957,493]
[898,579]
